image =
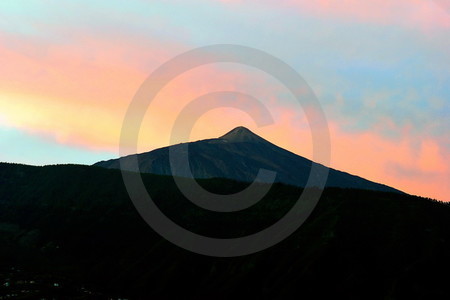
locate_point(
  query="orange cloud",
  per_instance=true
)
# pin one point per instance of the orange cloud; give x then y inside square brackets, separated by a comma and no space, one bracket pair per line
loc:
[395,162]
[76,94]
[375,157]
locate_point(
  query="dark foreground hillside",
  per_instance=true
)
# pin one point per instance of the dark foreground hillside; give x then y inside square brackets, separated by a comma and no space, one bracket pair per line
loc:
[72,232]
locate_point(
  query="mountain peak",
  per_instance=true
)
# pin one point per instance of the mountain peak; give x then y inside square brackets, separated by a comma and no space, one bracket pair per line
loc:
[239,155]
[241,134]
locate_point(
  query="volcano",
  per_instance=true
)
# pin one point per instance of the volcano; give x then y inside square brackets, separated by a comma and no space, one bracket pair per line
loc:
[239,155]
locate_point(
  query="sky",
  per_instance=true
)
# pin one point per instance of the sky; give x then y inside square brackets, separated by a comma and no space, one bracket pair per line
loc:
[380,70]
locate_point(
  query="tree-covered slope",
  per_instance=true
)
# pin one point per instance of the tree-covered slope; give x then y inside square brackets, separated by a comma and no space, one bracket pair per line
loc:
[77,224]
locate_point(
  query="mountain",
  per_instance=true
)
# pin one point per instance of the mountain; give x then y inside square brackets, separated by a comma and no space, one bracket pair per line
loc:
[239,155]
[71,232]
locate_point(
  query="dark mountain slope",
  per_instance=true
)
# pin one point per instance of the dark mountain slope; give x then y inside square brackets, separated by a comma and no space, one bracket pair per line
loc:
[238,155]
[77,224]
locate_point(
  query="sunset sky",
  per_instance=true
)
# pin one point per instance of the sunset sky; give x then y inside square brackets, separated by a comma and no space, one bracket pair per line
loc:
[380,69]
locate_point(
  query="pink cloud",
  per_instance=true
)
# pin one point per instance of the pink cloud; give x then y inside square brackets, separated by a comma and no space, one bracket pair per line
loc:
[423,15]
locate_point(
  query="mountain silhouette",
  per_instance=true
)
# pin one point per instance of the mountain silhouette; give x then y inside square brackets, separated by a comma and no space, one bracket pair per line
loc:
[239,155]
